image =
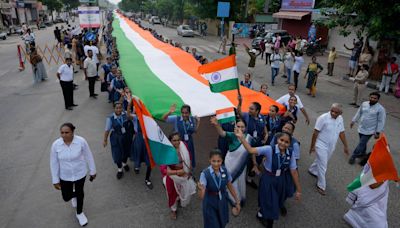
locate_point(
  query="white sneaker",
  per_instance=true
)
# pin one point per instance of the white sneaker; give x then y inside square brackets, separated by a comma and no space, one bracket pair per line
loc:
[74,202]
[83,221]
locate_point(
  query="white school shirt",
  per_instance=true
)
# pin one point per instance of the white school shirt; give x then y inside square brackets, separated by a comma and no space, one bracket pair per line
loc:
[66,73]
[69,163]
[90,65]
[285,100]
[329,130]
[95,51]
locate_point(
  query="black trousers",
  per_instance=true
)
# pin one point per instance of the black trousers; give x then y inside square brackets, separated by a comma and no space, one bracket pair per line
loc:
[92,81]
[68,92]
[267,56]
[67,191]
[296,78]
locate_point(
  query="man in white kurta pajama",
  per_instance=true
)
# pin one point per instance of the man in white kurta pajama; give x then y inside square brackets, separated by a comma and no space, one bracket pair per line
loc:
[328,128]
[368,206]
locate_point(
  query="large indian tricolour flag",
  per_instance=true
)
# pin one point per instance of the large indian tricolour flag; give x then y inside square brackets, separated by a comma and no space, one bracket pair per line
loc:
[162,75]
[379,168]
[160,149]
[221,74]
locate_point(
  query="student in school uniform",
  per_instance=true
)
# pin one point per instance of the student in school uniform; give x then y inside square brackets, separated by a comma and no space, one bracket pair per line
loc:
[256,127]
[289,128]
[279,180]
[138,151]
[236,158]
[272,122]
[291,111]
[117,86]
[110,76]
[119,127]
[186,125]
[247,81]
[214,183]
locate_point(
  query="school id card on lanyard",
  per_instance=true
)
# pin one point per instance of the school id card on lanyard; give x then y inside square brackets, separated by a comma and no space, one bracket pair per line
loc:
[218,183]
[121,122]
[280,163]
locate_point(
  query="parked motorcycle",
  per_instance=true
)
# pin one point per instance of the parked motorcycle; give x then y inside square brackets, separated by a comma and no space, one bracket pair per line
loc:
[314,47]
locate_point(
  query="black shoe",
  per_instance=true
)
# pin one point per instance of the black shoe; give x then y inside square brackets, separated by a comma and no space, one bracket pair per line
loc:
[262,221]
[136,170]
[356,106]
[76,72]
[283,211]
[352,161]
[284,76]
[126,168]
[353,103]
[74,105]
[148,184]
[120,175]
[92,96]
[252,184]
[95,94]
[69,108]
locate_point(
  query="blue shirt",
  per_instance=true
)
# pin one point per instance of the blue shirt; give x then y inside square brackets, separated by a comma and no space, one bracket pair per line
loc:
[203,179]
[370,118]
[267,152]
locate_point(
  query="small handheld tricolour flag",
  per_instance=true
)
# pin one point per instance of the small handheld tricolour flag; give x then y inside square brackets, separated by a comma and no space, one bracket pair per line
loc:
[379,168]
[225,115]
[221,74]
[160,149]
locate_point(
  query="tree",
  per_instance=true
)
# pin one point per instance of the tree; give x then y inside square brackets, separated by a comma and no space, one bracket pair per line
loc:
[130,5]
[376,18]
[53,5]
[70,4]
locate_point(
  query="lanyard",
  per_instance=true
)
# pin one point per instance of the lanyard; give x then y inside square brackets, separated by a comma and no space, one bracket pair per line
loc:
[120,120]
[272,123]
[215,179]
[280,157]
[186,128]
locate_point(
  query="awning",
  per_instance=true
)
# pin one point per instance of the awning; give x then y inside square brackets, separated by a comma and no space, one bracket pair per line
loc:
[290,15]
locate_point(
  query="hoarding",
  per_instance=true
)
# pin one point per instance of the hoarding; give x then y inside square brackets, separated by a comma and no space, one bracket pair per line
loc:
[89,16]
[297,5]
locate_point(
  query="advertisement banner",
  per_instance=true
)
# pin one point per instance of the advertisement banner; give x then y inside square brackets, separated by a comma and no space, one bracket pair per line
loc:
[297,5]
[89,16]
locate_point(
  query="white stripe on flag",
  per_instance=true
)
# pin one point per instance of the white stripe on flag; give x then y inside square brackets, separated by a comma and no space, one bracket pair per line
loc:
[154,132]
[190,90]
[225,74]
[225,115]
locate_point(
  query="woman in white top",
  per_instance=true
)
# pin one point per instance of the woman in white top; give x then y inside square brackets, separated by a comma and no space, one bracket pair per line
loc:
[288,61]
[69,157]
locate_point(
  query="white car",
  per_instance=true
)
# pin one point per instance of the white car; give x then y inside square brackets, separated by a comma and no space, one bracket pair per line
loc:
[3,35]
[184,30]
[155,20]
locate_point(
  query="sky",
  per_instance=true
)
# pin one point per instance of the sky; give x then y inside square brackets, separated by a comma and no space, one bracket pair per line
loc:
[114,1]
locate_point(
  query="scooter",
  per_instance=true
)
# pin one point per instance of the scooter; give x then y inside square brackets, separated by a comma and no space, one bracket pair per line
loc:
[314,47]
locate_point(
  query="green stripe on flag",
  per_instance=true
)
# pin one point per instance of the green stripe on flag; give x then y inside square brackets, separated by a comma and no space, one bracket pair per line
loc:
[230,84]
[162,153]
[154,93]
[355,184]
[227,120]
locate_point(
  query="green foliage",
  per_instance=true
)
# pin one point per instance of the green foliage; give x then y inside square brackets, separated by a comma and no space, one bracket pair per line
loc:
[70,4]
[377,18]
[53,4]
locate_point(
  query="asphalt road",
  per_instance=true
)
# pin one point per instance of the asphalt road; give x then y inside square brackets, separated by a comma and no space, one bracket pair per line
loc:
[31,115]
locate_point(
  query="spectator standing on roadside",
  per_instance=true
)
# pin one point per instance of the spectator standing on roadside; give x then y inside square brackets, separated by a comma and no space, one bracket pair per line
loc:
[359,84]
[222,46]
[371,118]
[355,54]
[390,70]
[90,70]
[268,52]
[39,71]
[313,70]
[262,47]
[95,52]
[232,49]
[331,61]
[70,156]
